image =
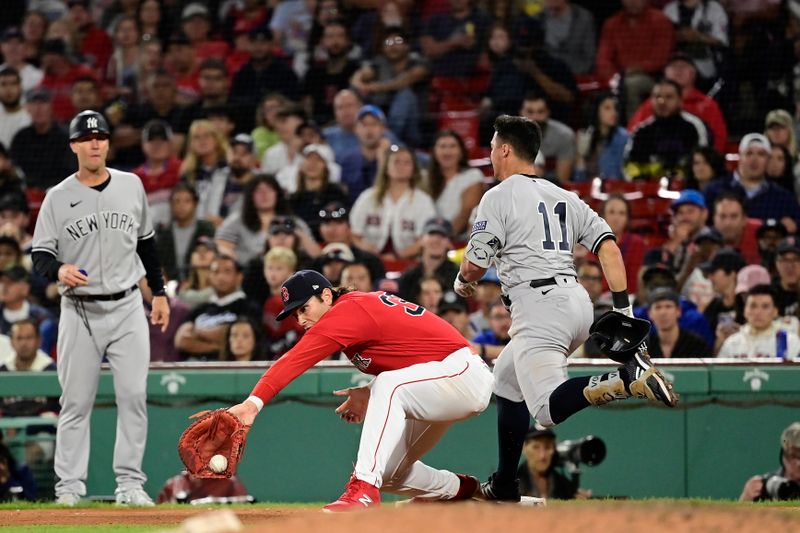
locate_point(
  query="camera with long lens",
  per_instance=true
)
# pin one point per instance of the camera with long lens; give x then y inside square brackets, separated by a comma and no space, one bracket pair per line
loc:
[780,488]
[589,450]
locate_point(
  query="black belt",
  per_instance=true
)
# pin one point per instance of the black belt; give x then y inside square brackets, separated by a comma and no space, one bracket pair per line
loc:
[104,297]
[537,283]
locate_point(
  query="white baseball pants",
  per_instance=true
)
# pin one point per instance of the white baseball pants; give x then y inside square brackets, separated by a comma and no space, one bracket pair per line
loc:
[409,410]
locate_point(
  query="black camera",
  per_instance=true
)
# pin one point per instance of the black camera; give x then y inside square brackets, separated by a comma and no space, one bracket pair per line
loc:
[780,488]
[589,450]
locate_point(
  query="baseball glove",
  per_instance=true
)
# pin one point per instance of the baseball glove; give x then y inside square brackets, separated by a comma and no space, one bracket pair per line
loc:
[216,432]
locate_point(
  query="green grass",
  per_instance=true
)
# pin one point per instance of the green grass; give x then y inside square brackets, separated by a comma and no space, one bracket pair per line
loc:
[12,506]
[81,529]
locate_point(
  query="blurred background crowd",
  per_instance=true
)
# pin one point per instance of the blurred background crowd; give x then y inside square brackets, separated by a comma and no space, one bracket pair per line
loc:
[351,137]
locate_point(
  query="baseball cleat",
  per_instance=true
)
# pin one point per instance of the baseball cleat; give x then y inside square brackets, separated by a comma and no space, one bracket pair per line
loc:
[358,495]
[646,381]
[70,499]
[135,497]
[500,492]
[532,501]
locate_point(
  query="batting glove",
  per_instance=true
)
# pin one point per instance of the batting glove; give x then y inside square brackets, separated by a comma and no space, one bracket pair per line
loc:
[463,287]
[627,311]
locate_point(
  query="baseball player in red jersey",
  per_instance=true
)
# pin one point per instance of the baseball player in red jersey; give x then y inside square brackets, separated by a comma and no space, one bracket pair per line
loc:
[427,377]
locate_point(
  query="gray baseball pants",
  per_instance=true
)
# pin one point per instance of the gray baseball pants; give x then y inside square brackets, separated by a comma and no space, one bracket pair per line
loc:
[119,331]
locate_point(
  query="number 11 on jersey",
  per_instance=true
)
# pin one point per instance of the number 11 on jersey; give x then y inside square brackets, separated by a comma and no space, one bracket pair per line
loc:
[560,210]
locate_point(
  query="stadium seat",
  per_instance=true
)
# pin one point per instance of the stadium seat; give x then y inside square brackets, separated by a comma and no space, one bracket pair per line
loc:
[583,189]
[466,123]
[397,265]
[35,197]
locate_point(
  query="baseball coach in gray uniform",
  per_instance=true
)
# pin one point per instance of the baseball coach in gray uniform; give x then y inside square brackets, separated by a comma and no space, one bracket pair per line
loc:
[528,227]
[94,236]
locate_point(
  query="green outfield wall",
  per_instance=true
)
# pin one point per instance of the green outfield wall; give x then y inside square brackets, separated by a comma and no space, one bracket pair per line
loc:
[726,429]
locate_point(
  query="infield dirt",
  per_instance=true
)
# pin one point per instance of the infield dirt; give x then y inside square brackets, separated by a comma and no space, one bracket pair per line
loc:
[561,517]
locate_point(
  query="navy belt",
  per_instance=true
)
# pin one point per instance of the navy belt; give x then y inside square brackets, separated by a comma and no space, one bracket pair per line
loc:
[105,297]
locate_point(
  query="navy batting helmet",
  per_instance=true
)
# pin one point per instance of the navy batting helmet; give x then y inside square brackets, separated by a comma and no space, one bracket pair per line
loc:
[88,123]
[618,335]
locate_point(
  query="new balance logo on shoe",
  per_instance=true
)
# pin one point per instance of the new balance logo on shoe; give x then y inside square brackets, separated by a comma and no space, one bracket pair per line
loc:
[365,500]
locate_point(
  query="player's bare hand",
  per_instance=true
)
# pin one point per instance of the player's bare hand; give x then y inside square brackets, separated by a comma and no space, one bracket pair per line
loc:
[71,276]
[752,489]
[354,408]
[245,411]
[159,314]
[464,289]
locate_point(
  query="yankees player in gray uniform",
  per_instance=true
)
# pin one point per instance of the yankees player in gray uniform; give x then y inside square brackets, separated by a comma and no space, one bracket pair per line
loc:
[95,237]
[528,227]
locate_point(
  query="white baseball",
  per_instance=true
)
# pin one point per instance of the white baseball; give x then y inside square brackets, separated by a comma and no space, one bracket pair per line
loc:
[218,463]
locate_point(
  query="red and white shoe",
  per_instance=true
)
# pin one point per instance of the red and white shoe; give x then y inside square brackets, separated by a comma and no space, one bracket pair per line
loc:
[466,490]
[358,495]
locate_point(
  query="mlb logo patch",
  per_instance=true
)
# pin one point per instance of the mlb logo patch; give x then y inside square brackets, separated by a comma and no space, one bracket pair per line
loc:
[479,226]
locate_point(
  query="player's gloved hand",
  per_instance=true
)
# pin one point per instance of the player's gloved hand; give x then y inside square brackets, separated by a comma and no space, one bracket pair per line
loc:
[463,287]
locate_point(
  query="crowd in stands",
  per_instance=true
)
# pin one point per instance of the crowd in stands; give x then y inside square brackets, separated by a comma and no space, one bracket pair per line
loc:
[351,136]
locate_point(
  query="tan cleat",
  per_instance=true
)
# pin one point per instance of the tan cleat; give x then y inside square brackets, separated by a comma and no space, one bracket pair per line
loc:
[646,381]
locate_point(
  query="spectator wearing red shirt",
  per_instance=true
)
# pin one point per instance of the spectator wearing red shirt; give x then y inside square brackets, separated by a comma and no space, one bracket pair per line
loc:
[425,372]
[181,62]
[59,76]
[94,44]
[196,24]
[682,70]
[617,212]
[737,230]
[244,16]
[160,170]
[636,43]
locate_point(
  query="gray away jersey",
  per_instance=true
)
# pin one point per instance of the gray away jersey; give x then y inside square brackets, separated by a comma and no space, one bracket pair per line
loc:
[532,226]
[96,230]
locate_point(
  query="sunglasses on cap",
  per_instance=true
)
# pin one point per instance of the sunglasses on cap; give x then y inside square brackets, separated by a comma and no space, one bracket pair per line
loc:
[333,214]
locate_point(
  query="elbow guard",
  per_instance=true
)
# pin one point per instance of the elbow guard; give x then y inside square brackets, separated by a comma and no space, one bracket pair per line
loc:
[482,248]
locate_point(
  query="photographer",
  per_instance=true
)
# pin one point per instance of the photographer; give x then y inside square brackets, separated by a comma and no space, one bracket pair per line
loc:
[541,474]
[781,484]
